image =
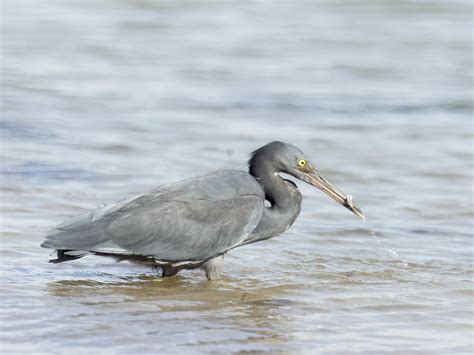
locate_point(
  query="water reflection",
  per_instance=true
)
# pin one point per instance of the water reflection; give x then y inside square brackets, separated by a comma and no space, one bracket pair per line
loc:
[193,289]
[250,307]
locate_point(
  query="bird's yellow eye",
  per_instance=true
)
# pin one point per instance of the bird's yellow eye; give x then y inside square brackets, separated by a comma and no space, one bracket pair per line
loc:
[302,163]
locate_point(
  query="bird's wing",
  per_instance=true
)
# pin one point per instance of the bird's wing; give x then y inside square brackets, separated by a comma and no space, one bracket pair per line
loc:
[185,229]
[190,220]
[87,231]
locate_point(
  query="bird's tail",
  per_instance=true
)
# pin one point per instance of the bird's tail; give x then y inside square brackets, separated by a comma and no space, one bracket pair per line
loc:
[61,255]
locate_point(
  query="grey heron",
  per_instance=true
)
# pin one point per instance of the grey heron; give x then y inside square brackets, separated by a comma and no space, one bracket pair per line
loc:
[194,223]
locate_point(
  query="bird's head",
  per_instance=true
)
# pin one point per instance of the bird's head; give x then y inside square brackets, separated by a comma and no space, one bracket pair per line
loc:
[286,158]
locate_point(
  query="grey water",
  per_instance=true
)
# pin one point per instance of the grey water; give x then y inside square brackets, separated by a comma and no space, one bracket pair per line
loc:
[105,99]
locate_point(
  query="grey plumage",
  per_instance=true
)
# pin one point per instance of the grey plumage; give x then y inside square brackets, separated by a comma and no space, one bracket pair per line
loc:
[192,223]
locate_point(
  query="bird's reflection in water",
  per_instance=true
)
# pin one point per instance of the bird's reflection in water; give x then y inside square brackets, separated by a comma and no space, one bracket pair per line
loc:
[189,288]
[232,303]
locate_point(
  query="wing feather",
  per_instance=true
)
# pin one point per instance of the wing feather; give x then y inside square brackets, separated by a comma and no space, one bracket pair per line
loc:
[190,220]
[186,229]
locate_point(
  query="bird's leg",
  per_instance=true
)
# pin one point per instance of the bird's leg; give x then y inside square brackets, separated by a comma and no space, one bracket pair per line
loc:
[168,270]
[213,267]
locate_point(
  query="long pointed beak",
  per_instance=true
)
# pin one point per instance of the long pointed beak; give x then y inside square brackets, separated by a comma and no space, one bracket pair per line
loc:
[332,191]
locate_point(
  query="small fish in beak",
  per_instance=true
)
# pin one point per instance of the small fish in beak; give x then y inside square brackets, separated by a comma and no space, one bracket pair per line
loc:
[312,177]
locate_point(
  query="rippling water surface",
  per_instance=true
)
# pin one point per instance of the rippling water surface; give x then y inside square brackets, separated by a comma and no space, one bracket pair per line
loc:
[104,99]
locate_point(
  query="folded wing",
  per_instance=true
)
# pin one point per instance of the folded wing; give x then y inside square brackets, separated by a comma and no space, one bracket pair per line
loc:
[191,220]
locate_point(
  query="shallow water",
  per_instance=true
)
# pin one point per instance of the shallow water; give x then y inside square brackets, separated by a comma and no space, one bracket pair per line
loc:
[101,100]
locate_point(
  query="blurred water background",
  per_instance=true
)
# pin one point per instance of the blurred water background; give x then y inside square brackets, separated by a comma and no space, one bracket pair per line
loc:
[104,99]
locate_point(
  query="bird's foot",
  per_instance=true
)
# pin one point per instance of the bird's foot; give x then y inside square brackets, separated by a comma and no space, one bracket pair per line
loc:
[167,271]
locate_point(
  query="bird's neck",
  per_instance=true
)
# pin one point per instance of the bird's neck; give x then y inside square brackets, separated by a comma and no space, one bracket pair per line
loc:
[285,200]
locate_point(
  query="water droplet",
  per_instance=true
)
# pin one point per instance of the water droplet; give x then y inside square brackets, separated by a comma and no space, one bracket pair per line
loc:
[392,251]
